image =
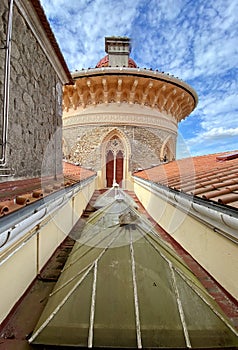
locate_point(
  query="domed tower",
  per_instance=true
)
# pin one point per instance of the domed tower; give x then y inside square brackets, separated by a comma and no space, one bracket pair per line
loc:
[119,118]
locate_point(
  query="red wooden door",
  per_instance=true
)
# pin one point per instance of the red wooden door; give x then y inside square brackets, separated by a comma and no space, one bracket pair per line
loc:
[109,169]
[119,168]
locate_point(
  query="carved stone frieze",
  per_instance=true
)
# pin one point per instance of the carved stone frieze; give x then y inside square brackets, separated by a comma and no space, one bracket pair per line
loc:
[161,122]
[146,146]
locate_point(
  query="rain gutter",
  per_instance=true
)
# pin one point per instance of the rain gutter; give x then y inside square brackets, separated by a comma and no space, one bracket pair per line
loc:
[221,219]
[14,226]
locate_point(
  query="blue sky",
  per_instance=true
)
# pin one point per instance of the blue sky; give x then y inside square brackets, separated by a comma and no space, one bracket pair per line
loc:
[195,40]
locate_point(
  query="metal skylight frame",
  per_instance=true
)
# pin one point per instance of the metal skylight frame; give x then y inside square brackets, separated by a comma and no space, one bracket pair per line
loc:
[175,266]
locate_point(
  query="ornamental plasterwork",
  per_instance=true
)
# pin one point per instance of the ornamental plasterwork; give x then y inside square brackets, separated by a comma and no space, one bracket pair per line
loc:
[156,91]
[120,119]
[114,145]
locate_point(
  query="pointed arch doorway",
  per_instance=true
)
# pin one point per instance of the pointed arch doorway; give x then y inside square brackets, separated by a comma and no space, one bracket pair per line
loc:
[114,162]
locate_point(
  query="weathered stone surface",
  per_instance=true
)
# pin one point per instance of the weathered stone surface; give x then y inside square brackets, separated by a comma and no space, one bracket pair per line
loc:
[15,53]
[34,104]
[27,99]
[83,145]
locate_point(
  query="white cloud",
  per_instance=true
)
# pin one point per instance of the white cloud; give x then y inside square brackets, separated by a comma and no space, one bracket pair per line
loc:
[212,135]
[80,27]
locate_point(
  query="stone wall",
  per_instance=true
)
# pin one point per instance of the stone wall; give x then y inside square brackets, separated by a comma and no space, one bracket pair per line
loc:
[83,145]
[34,126]
[3,31]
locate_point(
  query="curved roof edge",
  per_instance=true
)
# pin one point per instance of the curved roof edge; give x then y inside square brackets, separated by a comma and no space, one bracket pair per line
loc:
[140,72]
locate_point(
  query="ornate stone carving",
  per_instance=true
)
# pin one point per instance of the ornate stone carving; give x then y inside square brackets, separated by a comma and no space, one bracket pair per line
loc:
[157,91]
[119,119]
[115,145]
[144,107]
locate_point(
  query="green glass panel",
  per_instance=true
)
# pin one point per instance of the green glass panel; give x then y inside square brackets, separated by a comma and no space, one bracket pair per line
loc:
[115,320]
[160,320]
[70,324]
[205,327]
[115,314]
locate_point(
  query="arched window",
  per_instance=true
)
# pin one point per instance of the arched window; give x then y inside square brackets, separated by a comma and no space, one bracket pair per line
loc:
[114,162]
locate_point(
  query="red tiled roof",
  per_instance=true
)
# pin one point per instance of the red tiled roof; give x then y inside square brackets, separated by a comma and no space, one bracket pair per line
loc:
[76,173]
[104,62]
[16,194]
[213,176]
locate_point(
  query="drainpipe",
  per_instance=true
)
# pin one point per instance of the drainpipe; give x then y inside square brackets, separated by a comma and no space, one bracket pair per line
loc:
[6,86]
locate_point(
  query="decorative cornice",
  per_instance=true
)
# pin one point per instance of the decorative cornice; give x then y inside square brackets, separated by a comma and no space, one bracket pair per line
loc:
[153,89]
[132,119]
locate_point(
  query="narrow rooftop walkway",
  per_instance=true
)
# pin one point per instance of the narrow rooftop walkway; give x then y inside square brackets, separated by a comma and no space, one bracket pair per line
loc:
[115,284]
[143,275]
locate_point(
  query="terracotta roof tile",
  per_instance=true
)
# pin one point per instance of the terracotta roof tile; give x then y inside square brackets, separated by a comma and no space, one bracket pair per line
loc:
[213,176]
[209,182]
[76,173]
[228,198]
[235,204]
[19,193]
[216,193]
